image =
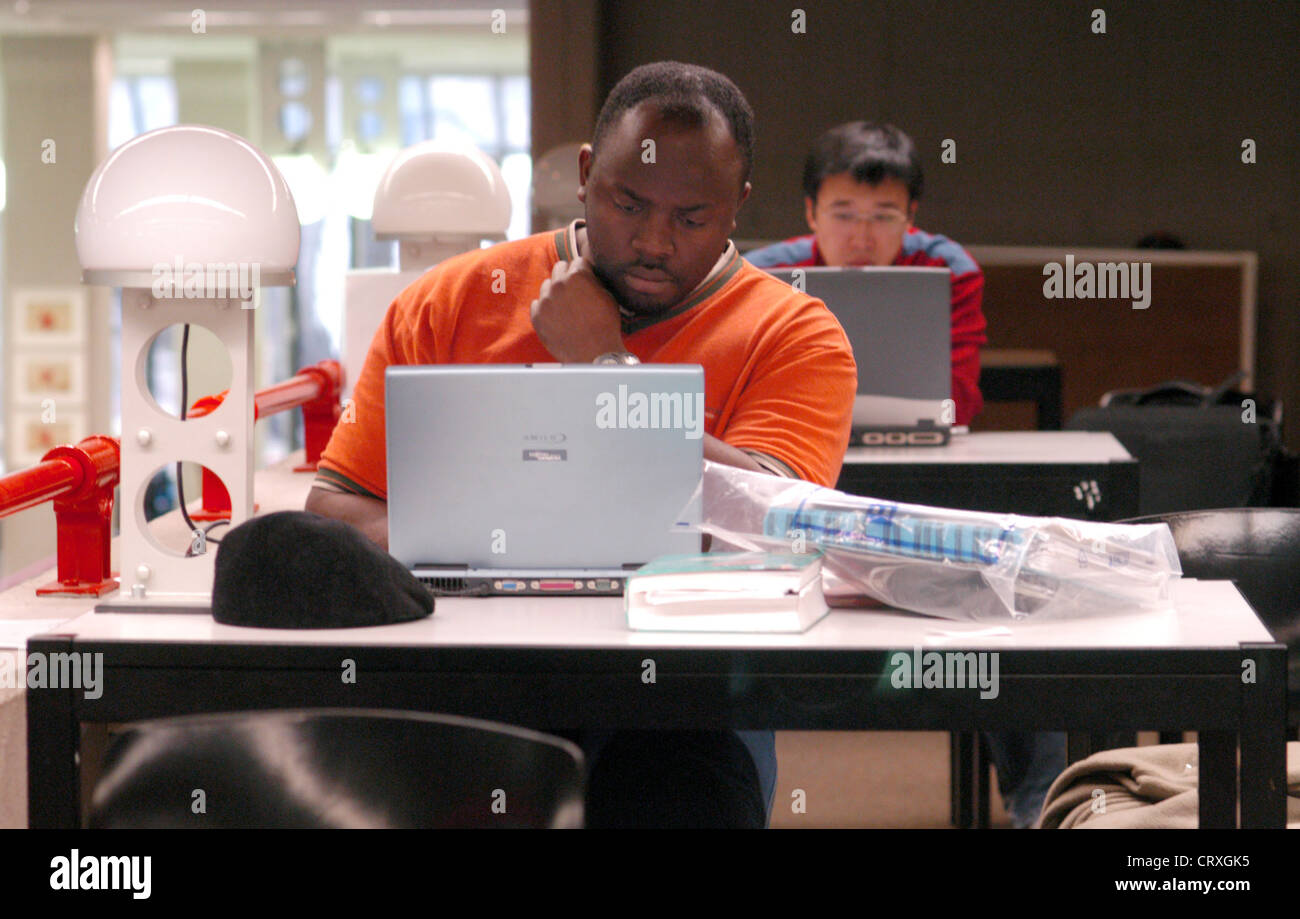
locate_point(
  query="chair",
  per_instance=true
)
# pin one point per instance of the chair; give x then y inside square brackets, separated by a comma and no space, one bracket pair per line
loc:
[1196,448]
[1259,549]
[341,768]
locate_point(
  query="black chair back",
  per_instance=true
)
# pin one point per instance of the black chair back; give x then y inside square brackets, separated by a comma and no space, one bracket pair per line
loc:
[1259,548]
[349,768]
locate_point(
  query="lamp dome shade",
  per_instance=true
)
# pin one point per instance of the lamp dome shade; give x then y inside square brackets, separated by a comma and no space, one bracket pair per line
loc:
[192,193]
[434,189]
[555,180]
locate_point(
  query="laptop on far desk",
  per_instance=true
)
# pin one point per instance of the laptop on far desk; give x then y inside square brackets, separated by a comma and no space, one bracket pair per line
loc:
[541,479]
[899,322]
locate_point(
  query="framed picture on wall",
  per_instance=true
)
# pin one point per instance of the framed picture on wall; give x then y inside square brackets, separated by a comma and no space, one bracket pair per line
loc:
[37,430]
[56,375]
[48,316]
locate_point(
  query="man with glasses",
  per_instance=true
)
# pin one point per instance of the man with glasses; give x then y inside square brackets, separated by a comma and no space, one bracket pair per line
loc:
[862,183]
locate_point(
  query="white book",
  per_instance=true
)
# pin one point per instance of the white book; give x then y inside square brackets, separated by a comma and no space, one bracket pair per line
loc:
[726,592]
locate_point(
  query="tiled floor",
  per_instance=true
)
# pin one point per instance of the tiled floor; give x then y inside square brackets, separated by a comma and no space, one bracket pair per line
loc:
[859,779]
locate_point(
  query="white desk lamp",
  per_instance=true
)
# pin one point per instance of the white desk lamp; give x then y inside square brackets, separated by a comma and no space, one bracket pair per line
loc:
[436,201]
[189,221]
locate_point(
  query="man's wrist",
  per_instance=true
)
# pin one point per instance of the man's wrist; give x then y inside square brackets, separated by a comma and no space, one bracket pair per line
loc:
[623,358]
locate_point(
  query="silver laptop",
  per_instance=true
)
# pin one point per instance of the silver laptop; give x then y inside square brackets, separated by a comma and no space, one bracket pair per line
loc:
[899,322]
[541,479]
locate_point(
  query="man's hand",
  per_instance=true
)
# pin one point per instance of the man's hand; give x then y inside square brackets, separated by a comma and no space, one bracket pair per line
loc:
[575,316]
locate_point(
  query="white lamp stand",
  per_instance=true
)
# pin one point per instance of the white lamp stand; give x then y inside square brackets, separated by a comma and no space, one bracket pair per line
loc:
[189,221]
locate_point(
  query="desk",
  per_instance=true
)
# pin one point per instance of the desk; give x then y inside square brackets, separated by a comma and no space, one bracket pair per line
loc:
[1086,475]
[564,663]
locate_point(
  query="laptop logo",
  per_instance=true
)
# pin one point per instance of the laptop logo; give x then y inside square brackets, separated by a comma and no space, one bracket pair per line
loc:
[539,455]
[681,410]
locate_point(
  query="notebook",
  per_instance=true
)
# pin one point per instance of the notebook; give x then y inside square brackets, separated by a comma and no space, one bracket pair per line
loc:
[727,592]
[899,322]
[541,479]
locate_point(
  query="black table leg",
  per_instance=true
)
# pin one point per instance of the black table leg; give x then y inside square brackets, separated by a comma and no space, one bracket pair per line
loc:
[1078,745]
[960,778]
[983,790]
[1263,738]
[53,787]
[1050,411]
[1217,783]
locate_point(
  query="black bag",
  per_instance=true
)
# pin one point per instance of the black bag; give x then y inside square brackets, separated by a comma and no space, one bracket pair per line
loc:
[1197,447]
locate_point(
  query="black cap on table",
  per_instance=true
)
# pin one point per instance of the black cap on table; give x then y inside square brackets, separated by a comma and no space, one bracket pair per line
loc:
[296,570]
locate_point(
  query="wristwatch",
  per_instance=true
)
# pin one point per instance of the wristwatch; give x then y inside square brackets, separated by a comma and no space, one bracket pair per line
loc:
[626,358]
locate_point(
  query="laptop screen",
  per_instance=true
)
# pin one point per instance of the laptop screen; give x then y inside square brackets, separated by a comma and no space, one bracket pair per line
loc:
[543,467]
[899,323]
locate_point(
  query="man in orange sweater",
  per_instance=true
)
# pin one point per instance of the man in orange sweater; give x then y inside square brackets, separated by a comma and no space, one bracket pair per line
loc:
[650,275]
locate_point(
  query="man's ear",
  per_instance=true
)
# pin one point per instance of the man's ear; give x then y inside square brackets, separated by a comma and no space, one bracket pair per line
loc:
[744,195]
[809,209]
[584,171]
[911,213]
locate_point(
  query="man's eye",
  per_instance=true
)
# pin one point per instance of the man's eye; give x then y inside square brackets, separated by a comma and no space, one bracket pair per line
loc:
[845,218]
[693,224]
[626,208]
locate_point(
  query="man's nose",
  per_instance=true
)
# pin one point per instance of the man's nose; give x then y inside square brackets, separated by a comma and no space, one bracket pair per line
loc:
[860,236]
[653,241]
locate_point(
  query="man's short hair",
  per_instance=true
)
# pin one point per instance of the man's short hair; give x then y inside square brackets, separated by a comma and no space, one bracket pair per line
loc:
[682,93]
[870,152]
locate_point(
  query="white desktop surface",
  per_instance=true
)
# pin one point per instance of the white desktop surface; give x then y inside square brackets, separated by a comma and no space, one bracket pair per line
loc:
[1208,614]
[1066,447]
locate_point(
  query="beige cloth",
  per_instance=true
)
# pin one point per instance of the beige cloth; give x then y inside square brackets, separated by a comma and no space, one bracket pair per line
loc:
[13,758]
[1142,788]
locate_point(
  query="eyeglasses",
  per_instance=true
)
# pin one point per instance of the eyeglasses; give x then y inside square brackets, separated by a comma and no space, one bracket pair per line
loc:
[883,222]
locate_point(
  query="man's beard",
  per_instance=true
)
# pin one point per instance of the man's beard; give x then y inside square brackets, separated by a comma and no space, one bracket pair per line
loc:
[630,302]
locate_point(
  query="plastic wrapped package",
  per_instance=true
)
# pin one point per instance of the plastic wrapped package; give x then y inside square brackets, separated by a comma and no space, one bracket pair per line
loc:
[948,563]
